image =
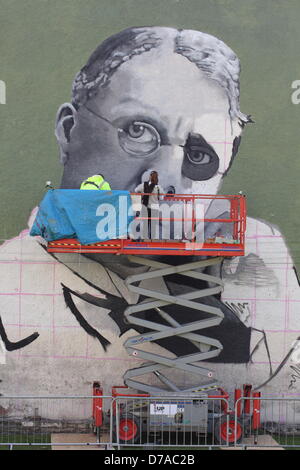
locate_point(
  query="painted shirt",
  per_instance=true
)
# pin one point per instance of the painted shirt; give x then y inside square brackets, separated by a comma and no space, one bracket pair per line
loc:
[39,292]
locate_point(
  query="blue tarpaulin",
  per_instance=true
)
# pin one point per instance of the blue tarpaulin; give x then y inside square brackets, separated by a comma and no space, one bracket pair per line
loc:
[90,216]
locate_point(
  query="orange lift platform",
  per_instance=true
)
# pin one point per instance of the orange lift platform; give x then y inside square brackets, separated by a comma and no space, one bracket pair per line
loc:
[214,245]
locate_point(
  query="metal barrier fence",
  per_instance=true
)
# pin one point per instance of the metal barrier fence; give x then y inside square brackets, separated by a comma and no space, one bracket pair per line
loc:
[279,422]
[53,422]
[133,422]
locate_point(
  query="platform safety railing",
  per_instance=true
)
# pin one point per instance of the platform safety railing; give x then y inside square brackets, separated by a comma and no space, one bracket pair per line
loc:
[180,224]
[191,218]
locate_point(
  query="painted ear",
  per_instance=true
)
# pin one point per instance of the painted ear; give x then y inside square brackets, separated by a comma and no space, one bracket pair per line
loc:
[65,121]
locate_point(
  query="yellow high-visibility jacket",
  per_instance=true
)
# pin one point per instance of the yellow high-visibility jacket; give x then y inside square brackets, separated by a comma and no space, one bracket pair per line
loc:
[95,182]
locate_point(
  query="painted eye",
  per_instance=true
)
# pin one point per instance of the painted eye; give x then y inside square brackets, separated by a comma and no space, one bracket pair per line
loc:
[139,138]
[200,160]
[136,131]
[197,157]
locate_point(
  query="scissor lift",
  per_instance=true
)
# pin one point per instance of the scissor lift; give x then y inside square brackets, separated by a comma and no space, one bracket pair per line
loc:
[136,418]
[207,252]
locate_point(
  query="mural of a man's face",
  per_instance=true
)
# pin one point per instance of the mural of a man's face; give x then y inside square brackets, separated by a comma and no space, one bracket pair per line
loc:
[158,112]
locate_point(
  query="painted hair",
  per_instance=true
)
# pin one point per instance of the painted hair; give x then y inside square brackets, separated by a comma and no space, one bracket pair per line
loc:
[212,56]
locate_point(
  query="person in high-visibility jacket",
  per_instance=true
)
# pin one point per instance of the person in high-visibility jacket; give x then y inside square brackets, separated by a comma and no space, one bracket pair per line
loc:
[96,182]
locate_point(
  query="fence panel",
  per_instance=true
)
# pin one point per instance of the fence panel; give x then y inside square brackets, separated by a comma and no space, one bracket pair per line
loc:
[42,422]
[270,422]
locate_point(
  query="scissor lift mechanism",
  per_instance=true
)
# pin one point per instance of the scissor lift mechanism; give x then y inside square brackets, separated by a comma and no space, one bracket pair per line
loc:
[214,254]
[157,300]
